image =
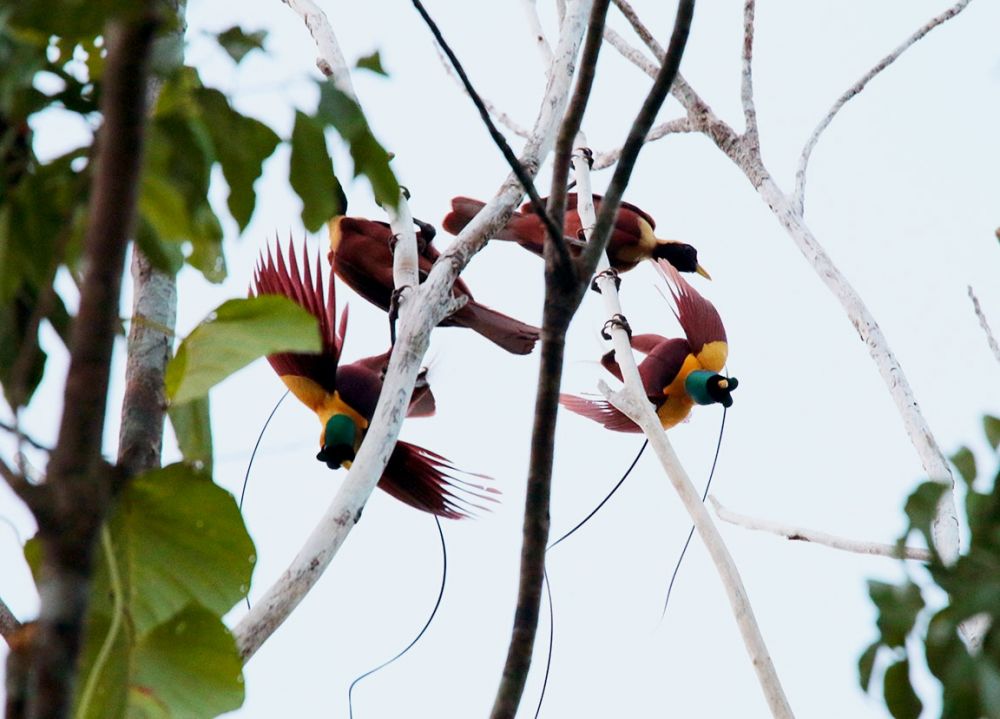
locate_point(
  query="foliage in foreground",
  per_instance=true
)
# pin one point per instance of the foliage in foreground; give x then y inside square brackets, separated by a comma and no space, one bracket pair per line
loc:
[913,626]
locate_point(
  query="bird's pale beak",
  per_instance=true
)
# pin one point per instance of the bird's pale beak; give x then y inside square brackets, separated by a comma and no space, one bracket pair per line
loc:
[703,272]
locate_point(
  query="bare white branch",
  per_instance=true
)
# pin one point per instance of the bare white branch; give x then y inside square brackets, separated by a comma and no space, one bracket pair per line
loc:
[530,8]
[633,402]
[746,80]
[630,53]
[496,113]
[405,271]
[801,534]
[640,29]
[800,174]
[671,127]
[985,325]
[432,301]
[331,60]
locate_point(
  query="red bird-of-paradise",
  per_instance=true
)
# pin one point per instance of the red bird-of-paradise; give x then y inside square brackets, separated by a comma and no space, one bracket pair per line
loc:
[344,396]
[361,255]
[632,239]
[676,373]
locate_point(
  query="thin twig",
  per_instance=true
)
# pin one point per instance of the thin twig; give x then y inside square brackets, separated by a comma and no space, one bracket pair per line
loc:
[798,198]
[746,77]
[555,232]
[19,433]
[502,117]
[670,127]
[632,54]
[640,28]
[530,8]
[9,624]
[802,534]
[990,339]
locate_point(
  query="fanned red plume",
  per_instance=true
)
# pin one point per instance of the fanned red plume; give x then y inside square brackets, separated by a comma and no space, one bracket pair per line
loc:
[698,317]
[280,278]
[599,411]
[423,479]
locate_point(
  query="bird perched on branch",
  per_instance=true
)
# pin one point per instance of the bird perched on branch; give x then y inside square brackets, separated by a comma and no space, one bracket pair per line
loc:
[632,239]
[361,255]
[676,373]
[344,396]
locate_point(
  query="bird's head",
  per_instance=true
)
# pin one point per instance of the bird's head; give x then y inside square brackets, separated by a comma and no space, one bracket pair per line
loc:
[681,255]
[706,387]
[338,442]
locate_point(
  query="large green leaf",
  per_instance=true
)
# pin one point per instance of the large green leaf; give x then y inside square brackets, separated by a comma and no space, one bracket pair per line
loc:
[241,146]
[181,538]
[233,336]
[193,427]
[370,158]
[311,173]
[189,667]
[965,461]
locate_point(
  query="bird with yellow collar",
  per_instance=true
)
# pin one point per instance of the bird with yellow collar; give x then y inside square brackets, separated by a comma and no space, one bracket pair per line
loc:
[344,396]
[676,373]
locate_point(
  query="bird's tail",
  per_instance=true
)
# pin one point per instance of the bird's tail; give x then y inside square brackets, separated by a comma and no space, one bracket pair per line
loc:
[425,480]
[600,411]
[512,335]
[520,227]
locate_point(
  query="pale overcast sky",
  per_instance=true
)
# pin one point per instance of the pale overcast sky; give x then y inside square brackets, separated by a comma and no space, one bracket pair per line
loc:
[902,193]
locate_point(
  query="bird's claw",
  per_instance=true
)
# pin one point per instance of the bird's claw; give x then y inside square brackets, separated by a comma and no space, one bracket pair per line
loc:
[619,321]
[587,154]
[394,312]
[610,272]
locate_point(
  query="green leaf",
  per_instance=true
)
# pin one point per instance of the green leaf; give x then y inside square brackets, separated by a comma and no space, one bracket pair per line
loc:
[193,427]
[241,145]
[68,18]
[165,256]
[965,462]
[898,608]
[373,63]
[33,556]
[238,43]
[180,538]
[991,425]
[370,158]
[189,667]
[921,507]
[233,336]
[866,663]
[311,173]
[163,207]
[902,701]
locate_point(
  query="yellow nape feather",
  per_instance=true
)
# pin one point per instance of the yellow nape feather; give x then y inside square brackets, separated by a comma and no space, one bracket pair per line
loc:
[713,355]
[333,229]
[324,404]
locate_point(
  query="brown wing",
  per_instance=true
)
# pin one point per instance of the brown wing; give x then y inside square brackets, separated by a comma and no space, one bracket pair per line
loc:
[280,278]
[698,317]
[427,481]
[600,411]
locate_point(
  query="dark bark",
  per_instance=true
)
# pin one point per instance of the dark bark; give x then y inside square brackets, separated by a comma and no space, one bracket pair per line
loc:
[78,484]
[563,293]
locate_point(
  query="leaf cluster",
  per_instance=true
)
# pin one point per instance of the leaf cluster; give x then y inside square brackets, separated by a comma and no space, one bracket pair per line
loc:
[908,623]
